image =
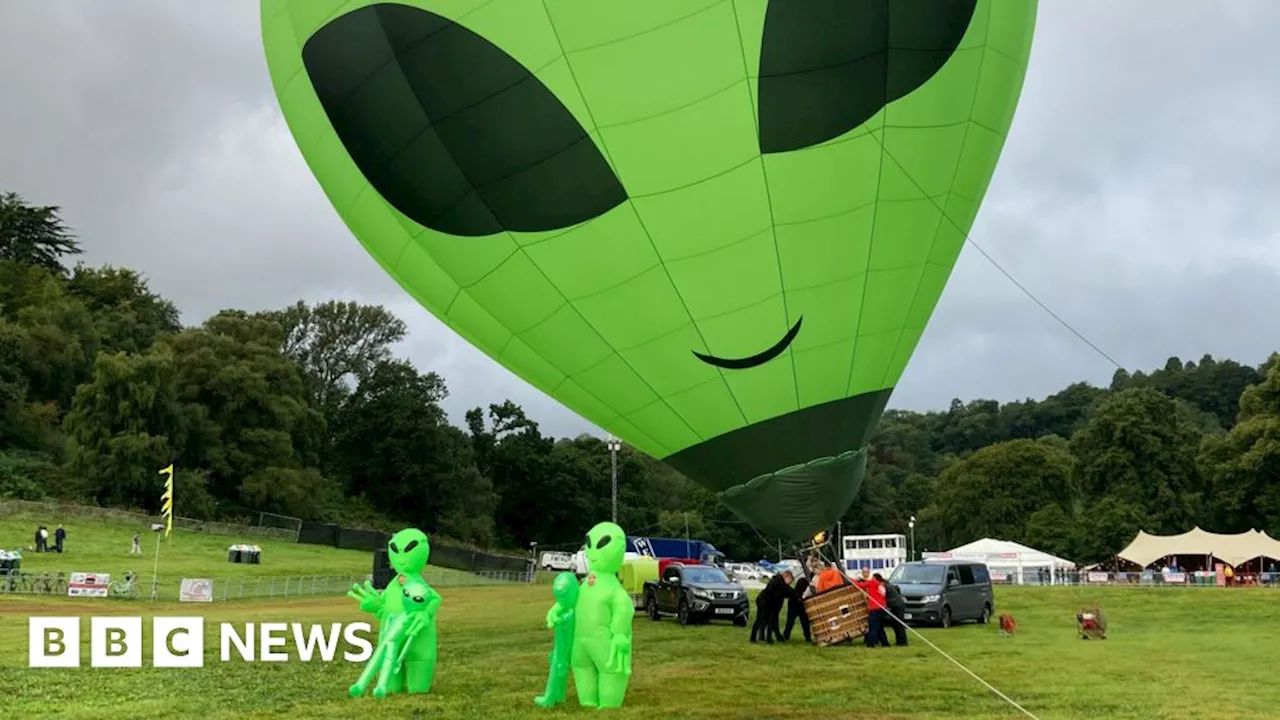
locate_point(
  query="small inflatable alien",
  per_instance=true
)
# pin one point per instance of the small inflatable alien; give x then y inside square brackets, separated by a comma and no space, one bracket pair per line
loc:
[408,552]
[395,637]
[601,656]
[565,590]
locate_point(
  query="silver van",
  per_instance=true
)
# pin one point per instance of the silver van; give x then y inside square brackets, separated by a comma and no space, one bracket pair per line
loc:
[944,592]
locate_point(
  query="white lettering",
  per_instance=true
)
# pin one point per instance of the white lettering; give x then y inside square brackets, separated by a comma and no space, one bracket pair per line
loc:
[178,642]
[314,638]
[350,634]
[53,642]
[244,645]
[115,642]
[271,635]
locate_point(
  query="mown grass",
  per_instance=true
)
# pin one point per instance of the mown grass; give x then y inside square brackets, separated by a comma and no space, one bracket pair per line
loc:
[102,546]
[1207,654]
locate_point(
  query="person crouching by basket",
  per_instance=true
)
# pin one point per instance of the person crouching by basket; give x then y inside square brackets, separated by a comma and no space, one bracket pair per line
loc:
[874,590]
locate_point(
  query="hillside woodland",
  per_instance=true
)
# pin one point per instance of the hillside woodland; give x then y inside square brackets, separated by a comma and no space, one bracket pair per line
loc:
[306,411]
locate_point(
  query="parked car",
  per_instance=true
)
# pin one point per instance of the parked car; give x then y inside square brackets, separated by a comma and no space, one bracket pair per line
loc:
[945,592]
[560,561]
[745,571]
[696,594]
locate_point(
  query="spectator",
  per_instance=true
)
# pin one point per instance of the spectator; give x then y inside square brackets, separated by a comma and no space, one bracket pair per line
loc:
[796,611]
[897,608]
[37,540]
[44,540]
[59,537]
[137,545]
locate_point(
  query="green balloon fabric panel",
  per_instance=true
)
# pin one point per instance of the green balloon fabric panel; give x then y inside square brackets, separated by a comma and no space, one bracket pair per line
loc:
[634,316]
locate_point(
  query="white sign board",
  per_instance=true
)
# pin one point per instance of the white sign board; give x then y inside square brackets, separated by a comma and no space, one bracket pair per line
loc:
[195,590]
[82,584]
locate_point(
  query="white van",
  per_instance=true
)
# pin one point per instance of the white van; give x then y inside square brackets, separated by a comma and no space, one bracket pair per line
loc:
[560,561]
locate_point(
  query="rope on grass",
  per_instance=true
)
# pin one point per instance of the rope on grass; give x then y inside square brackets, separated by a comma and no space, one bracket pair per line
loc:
[954,661]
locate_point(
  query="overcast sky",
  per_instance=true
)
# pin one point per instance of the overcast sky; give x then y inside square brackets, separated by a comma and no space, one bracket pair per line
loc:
[1136,195]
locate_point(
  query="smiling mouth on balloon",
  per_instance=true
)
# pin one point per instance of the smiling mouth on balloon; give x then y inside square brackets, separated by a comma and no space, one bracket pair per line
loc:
[754,360]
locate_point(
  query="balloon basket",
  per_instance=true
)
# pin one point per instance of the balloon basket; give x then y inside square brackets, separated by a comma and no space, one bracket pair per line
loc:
[837,615]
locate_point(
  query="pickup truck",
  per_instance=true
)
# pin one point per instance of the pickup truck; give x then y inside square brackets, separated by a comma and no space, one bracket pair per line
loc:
[696,594]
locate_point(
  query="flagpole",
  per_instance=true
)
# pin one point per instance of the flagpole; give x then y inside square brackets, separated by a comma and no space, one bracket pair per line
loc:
[155,568]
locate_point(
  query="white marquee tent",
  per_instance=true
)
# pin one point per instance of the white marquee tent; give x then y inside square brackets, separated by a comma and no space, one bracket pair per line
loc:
[1234,550]
[1009,560]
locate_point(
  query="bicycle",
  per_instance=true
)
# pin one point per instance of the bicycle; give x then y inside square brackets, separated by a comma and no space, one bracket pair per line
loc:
[127,588]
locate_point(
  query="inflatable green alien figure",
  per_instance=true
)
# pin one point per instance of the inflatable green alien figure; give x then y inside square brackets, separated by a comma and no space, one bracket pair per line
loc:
[408,552]
[395,637]
[565,589]
[601,657]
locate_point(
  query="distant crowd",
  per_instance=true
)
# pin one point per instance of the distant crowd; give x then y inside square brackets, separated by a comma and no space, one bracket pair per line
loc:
[42,539]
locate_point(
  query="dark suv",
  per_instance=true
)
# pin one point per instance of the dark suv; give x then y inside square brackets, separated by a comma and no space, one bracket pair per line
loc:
[696,593]
[945,591]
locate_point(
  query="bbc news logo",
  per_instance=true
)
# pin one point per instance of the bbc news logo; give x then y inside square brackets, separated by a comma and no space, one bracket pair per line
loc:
[178,642]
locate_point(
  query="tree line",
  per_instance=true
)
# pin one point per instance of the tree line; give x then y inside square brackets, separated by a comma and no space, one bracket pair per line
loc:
[305,411]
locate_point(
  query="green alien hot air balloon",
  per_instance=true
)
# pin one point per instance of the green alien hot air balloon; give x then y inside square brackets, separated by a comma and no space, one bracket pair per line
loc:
[716,228]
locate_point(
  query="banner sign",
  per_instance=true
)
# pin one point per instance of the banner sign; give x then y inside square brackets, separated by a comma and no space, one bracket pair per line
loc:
[1098,577]
[88,584]
[195,590]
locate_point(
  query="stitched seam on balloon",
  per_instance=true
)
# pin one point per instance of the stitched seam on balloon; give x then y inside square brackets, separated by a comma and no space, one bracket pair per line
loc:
[875,215]
[768,197]
[941,208]
[642,33]
[394,57]
[605,149]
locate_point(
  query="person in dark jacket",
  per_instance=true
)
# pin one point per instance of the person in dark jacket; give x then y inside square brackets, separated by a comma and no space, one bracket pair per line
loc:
[897,606]
[796,611]
[59,537]
[768,606]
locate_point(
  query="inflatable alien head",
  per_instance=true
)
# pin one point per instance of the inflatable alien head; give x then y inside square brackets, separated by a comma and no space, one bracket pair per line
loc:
[606,548]
[714,229]
[408,551]
[416,593]
[565,589]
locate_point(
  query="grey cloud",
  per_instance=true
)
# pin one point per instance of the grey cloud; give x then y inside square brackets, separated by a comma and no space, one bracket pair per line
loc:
[1133,195]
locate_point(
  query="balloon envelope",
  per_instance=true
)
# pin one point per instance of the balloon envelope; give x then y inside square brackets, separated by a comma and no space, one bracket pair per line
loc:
[714,228]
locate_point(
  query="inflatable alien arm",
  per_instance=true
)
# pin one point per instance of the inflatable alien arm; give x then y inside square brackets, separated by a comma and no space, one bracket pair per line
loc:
[620,624]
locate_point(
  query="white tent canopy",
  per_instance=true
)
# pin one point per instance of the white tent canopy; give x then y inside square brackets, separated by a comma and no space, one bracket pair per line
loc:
[1231,549]
[1007,558]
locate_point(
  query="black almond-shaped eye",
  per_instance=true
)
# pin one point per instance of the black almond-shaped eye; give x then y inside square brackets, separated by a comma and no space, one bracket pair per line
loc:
[411,546]
[827,66]
[417,598]
[604,541]
[452,131]
[406,593]
[393,547]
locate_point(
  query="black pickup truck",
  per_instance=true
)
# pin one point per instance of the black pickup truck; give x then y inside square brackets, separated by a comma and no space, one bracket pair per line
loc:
[696,594]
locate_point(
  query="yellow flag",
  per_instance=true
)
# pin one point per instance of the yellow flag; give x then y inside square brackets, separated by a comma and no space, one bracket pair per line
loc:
[166,501]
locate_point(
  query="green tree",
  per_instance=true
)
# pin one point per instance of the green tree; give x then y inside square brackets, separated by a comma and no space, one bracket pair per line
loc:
[1139,450]
[34,235]
[393,446]
[337,344]
[1242,467]
[994,491]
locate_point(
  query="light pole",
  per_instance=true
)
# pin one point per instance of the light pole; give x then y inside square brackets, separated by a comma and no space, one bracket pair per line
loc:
[911,525]
[614,445]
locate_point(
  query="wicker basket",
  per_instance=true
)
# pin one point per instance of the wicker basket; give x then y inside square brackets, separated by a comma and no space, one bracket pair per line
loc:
[837,615]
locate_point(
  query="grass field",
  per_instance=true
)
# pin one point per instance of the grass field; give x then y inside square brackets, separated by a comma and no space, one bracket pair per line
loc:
[1202,654]
[95,545]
